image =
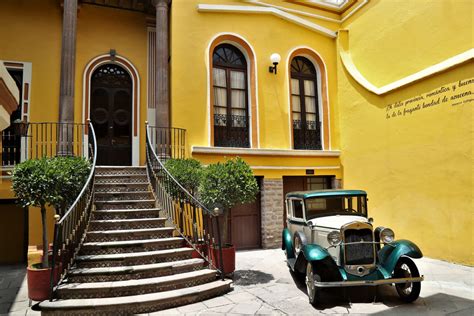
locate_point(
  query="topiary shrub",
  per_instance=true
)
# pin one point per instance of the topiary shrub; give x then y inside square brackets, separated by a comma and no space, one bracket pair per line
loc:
[225,185]
[188,172]
[49,181]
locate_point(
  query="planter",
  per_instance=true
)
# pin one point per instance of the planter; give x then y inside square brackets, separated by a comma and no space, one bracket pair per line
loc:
[39,281]
[228,258]
[202,248]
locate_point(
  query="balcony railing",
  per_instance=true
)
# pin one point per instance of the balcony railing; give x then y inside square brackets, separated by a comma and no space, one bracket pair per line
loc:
[231,131]
[22,141]
[195,223]
[307,135]
[168,142]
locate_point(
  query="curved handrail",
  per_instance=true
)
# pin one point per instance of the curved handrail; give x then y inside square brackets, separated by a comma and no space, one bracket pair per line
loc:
[89,178]
[182,205]
[192,197]
[74,222]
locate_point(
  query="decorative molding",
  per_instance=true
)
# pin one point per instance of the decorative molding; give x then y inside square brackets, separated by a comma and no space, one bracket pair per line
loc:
[351,68]
[295,167]
[130,68]
[219,8]
[310,15]
[264,152]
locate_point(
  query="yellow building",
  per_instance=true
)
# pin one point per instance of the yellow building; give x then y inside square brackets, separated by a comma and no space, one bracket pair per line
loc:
[367,94]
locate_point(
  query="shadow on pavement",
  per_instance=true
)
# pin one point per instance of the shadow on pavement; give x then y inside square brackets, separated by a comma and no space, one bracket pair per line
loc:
[251,277]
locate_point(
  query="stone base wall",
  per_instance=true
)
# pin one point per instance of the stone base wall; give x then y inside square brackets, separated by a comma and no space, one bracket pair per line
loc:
[272,212]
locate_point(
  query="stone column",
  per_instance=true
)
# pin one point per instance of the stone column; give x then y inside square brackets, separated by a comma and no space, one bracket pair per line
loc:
[162,106]
[272,212]
[68,64]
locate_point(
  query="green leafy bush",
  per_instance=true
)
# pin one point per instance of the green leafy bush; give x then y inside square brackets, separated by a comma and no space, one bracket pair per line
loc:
[187,172]
[49,181]
[227,184]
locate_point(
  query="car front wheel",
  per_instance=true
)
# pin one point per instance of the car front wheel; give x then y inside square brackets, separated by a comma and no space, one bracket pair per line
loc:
[406,268]
[313,291]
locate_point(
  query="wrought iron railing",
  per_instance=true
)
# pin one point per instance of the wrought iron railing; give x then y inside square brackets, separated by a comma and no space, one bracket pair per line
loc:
[195,223]
[24,141]
[168,142]
[307,135]
[231,131]
[69,230]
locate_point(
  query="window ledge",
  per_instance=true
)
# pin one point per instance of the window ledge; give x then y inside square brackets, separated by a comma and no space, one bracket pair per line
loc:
[264,152]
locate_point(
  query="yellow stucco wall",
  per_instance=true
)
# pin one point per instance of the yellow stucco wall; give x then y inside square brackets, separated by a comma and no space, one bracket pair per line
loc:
[37,39]
[418,167]
[266,35]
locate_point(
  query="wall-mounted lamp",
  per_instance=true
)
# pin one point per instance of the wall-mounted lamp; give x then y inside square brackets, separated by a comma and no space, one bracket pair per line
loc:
[275,59]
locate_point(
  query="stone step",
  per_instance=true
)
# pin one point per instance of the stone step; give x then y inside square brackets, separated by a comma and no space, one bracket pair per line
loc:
[113,179]
[120,170]
[135,287]
[121,187]
[134,272]
[134,258]
[125,204]
[129,234]
[136,304]
[129,246]
[126,213]
[118,196]
[117,224]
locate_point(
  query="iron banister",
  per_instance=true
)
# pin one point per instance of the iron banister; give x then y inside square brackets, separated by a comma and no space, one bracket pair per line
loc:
[183,211]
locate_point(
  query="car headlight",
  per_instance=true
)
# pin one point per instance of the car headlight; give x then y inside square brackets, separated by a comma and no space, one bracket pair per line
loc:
[334,238]
[387,235]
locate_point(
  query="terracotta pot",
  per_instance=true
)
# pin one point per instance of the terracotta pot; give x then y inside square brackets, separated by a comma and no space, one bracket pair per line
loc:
[39,281]
[202,248]
[228,258]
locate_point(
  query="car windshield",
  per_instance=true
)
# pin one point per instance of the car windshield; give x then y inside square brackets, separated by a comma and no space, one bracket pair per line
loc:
[337,205]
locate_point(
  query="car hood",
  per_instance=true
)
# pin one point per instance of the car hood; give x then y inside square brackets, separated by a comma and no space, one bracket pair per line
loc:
[337,221]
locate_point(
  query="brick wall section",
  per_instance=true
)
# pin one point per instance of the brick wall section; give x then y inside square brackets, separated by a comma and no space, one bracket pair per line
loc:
[272,212]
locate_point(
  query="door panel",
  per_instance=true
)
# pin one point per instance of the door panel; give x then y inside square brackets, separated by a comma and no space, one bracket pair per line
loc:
[111,114]
[245,229]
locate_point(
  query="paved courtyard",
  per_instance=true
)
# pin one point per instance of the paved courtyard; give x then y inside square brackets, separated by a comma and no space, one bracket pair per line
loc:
[264,286]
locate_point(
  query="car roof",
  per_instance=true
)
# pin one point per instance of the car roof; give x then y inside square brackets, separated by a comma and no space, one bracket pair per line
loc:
[324,193]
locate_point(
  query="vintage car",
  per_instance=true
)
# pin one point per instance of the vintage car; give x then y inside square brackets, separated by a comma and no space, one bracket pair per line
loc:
[330,239]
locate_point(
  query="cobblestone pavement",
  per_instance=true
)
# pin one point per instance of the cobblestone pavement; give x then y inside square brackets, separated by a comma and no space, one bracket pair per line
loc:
[264,286]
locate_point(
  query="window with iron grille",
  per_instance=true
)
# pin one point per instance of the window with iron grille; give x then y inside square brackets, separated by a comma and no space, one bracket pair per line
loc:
[231,116]
[304,101]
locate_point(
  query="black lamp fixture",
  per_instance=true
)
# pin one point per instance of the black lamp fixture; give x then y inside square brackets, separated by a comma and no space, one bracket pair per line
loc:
[275,59]
[112,54]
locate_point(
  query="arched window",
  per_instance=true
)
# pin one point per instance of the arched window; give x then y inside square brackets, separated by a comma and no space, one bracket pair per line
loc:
[304,101]
[231,114]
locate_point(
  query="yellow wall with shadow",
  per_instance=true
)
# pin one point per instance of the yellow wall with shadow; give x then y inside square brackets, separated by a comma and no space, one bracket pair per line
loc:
[412,148]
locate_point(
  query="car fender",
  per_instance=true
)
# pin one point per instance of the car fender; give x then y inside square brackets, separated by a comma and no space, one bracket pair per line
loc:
[389,254]
[322,261]
[287,243]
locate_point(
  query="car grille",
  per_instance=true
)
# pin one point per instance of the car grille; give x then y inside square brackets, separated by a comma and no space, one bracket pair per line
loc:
[359,253]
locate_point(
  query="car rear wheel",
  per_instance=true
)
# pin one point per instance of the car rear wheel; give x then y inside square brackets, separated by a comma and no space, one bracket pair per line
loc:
[406,268]
[313,290]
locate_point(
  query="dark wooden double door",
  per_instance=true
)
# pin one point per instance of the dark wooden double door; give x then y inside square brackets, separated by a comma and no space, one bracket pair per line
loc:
[111,114]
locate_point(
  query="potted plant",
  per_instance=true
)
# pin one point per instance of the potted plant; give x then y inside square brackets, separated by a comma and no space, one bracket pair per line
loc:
[226,185]
[41,182]
[188,173]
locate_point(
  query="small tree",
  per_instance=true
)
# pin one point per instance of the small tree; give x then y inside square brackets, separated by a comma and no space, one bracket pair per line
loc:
[187,172]
[226,185]
[49,181]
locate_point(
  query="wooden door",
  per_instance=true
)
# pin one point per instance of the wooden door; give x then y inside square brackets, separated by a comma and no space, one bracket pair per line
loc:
[111,114]
[246,224]
[13,232]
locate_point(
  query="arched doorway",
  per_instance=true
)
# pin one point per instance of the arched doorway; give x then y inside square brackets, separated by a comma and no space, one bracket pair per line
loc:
[111,114]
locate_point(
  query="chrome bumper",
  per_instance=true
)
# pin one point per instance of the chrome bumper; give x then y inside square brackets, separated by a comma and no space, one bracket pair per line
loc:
[368,282]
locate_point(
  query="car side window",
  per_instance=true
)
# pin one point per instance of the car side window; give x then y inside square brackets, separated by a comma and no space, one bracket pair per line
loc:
[298,208]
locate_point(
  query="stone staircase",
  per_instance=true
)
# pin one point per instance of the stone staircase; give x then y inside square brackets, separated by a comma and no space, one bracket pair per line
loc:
[130,262]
